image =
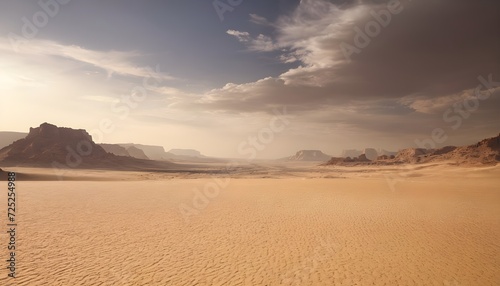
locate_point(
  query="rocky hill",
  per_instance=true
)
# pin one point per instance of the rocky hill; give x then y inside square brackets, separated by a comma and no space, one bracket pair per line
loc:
[136,153]
[411,155]
[49,143]
[342,161]
[130,151]
[151,151]
[352,153]
[174,155]
[308,155]
[7,138]
[383,152]
[486,151]
[370,153]
[186,152]
[52,146]
[115,149]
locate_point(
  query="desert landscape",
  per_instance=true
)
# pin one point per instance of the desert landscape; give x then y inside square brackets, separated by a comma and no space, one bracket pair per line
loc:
[249,143]
[428,221]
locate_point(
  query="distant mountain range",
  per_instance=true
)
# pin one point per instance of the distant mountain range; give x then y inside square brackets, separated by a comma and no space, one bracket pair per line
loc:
[186,152]
[130,151]
[7,138]
[175,155]
[49,146]
[370,153]
[308,155]
[59,147]
[486,151]
[48,143]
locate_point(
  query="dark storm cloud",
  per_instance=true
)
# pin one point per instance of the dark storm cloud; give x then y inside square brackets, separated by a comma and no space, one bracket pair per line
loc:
[429,48]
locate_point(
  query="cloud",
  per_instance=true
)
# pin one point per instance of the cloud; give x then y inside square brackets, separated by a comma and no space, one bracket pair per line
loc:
[241,36]
[259,20]
[426,60]
[261,43]
[50,81]
[305,33]
[430,47]
[433,105]
[113,62]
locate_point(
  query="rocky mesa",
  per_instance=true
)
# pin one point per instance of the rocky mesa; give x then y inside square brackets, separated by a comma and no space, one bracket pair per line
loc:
[61,147]
[309,155]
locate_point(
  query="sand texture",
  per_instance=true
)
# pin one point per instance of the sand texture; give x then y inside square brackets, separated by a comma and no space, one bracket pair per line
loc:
[333,226]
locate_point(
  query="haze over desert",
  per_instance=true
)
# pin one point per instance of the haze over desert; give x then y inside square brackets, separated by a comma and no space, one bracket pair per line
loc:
[249,143]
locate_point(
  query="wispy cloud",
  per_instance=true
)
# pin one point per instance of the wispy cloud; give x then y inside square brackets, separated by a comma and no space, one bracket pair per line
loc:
[261,43]
[259,20]
[113,62]
[433,105]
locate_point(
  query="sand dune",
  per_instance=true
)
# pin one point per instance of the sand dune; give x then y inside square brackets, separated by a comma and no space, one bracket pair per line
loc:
[432,227]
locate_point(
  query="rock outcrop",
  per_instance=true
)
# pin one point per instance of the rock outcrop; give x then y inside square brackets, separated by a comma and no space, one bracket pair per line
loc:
[122,151]
[7,138]
[371,154]
[383,152]
[486,151]
[158,153]
[151,151]
[349,161]
[352,153]
[115,149]
[59,147]
[186,152]
[49,143]
[411,155]
[309,155]
[136,153]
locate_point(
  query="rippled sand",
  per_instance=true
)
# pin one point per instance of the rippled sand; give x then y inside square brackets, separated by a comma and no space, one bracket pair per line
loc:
[418,229]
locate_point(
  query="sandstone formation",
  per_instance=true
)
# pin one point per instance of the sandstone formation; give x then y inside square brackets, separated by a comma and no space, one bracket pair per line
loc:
[309,155]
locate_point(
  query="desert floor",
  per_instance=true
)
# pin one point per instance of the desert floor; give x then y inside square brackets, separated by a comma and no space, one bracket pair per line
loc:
[260,225]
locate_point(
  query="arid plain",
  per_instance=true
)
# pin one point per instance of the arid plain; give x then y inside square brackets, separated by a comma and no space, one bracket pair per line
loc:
[262,224]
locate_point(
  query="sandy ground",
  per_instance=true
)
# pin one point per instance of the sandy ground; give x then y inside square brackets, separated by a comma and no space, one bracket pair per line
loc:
[261,225]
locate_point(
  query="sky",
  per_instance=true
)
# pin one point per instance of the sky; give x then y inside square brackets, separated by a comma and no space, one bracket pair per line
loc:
[254,79]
